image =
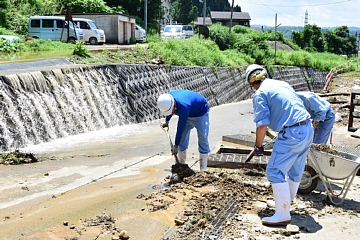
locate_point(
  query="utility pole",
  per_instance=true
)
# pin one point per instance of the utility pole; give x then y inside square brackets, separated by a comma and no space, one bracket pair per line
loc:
[145,15]
[204,14]
[275,38]
[276,25]
[231,16]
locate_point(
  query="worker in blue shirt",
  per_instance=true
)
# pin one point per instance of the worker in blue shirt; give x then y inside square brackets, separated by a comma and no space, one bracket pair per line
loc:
[193,111]
[321,112]
[277,106]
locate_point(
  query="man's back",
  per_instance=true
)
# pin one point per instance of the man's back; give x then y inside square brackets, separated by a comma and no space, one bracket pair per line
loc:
[315,105]
[277,105]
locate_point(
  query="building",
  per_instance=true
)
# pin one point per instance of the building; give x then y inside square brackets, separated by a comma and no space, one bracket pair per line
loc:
[118,28]
[238,18]
[200,21]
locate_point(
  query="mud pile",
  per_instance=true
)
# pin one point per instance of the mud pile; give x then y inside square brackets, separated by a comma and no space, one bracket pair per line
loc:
[229,204]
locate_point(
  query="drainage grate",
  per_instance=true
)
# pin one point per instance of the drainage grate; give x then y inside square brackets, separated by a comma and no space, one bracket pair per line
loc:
[152,187]
[235,158]
[229,210]
[353,151]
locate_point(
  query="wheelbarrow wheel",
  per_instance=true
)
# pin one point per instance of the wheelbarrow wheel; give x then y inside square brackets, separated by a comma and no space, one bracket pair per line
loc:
[308,182]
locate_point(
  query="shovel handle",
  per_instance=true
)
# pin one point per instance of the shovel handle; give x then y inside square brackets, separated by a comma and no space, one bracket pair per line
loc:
[166,130]
[249,157]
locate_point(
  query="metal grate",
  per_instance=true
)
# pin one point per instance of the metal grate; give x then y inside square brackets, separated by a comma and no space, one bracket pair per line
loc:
[353,151]
[231,208]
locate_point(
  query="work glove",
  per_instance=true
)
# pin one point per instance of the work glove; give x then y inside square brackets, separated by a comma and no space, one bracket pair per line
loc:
[164,124]
[258,151]
[174,150]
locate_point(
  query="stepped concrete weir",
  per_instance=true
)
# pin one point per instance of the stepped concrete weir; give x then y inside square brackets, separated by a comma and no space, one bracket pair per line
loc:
[39,104]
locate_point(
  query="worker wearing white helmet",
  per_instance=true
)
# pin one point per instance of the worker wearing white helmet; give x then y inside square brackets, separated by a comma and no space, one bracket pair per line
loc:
[193,111]
[277,106]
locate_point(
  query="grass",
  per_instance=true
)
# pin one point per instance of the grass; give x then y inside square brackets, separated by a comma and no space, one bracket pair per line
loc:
[17,157]
[35,48]
[195,51]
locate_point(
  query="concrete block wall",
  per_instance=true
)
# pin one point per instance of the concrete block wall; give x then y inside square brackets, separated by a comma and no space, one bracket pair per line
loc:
[301,78]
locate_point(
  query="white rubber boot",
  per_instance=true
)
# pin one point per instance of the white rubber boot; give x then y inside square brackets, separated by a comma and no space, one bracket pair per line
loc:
[203,161]
[181,156]
[282,205]
[293,186]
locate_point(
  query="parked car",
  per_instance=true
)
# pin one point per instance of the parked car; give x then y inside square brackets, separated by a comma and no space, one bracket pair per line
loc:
[10,38]
[92,34]
[140,33]
[54,28]
[173,31]
[188,30]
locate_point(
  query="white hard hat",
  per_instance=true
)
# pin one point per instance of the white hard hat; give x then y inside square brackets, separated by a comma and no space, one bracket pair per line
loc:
[259,71]
[166,104]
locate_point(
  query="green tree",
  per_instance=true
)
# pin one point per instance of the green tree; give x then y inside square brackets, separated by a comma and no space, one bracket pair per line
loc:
[16,13]
[193,14]
[218,5]
[3,8]
[133,8]
[86,6]
[185,7]
[339,41]
[297,38]
[310,39]
[175,11]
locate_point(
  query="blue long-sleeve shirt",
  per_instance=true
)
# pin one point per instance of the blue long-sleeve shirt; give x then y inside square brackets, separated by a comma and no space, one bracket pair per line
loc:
[277,105]
[315,105]
[188,104]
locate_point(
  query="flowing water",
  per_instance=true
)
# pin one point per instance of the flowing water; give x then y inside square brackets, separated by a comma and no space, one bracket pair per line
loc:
[40,106]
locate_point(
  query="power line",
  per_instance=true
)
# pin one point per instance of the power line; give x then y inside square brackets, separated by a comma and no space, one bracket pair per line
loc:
[311,5]
[296,6]
[278,13]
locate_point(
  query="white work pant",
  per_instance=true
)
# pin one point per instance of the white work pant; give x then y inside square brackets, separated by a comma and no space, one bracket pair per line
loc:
[324,128]
[288,157]
[202,127]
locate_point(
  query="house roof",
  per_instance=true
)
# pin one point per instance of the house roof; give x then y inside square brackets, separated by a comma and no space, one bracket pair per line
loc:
[227,15]
[200,21]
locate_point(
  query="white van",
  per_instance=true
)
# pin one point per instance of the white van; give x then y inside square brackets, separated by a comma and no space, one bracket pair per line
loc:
[140,33]
[92,34]
[53,28]
[188,30]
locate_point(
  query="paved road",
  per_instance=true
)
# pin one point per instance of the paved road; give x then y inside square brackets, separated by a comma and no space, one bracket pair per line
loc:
[104,171]
[112,47]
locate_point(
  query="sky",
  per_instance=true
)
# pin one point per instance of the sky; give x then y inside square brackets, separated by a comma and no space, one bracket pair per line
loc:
[323,13]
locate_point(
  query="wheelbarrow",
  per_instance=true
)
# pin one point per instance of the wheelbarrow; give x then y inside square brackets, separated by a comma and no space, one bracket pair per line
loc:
[336,173]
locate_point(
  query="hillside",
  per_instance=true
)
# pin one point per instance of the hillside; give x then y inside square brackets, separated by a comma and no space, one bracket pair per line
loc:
[286,30]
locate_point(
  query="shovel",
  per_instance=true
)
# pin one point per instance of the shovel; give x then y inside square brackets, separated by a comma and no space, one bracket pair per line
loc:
[179,170]
[166,130]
